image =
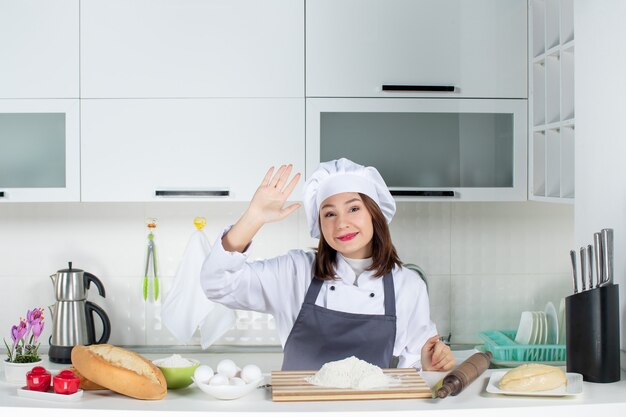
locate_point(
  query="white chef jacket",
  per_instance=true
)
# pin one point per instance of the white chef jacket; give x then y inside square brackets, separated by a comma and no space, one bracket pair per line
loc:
[277,286]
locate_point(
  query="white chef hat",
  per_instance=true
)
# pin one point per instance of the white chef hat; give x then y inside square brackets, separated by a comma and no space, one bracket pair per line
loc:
[341,176]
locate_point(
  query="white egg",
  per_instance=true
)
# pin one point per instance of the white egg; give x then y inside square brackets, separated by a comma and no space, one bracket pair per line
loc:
[237,381]
[218,379]
[251,373]
[227,368]
[203,373]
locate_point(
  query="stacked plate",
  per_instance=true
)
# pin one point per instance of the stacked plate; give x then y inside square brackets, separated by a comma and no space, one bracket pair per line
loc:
[540,327]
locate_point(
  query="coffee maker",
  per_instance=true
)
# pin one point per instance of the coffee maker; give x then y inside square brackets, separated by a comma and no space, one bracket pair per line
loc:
[72,315]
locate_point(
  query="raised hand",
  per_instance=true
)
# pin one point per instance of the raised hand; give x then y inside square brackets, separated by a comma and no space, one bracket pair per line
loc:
[267,205]
[268,202]
[436,355]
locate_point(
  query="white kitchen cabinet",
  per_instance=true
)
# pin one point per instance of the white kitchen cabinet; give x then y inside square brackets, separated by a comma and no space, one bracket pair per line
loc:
[39,49]
[192,48]
[355,47]
[551,101]
[39,150]
[181,149]
[426,149]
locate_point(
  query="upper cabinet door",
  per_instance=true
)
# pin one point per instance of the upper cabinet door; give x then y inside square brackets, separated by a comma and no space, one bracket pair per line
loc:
[192,48]
[39,48]
[474,48]
[179,149]
[39,150]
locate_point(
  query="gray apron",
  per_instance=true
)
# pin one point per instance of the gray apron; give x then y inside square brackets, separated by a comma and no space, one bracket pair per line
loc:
[321,335]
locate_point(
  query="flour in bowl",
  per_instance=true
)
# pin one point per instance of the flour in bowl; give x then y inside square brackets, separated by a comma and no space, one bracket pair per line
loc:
[350,373]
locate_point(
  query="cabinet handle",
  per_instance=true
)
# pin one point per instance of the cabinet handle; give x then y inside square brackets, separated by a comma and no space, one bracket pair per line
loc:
[1,194]
[425,88]
[192,193]
[417,193]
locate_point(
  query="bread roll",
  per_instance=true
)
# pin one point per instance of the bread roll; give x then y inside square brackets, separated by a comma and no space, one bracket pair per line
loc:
[533,377]
[120,370]
[85,384]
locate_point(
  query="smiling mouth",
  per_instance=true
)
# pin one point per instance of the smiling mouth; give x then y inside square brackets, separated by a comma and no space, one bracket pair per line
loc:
[347,237]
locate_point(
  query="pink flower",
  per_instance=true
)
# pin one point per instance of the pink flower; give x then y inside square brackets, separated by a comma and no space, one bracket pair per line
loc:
[18,332]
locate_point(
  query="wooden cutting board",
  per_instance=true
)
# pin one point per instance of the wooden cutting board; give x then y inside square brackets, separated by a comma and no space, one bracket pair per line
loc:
[292,386]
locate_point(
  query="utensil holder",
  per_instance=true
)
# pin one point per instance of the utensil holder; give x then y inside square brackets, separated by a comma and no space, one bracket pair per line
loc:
[592,334]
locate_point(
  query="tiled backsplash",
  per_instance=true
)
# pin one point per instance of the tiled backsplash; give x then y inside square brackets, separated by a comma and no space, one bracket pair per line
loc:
[485,262]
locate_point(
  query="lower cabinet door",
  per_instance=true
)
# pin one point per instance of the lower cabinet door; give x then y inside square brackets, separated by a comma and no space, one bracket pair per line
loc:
[198,149]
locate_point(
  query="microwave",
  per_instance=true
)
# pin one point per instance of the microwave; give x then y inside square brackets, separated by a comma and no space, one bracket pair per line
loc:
[426,149]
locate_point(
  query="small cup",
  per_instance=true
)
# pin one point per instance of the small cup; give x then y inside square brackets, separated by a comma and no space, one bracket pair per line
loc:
[38,379]
[65,382]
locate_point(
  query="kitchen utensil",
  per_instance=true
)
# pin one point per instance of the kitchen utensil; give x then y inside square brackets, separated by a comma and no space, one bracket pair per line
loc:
[592,334]
[24,392]
[463,375]
[574,386]
[178,377]
[525,329]
[292,386]
[229,392]
[572,255]
[607,256]
[597,250]
[151,256]
[553,324]
[583,267]
[72,315]
[590,267]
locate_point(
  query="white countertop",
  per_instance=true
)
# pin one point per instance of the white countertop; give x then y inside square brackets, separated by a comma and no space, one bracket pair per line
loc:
[473,401]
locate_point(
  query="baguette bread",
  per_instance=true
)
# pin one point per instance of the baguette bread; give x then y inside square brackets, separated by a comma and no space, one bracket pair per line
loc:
[120,370]
[85,384]
[533,377]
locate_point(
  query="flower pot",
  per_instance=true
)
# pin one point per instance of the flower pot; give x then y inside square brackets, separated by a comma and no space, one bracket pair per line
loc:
[15,373]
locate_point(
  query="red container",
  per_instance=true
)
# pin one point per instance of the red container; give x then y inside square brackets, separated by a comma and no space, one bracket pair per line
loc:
[38,379]
[65,382]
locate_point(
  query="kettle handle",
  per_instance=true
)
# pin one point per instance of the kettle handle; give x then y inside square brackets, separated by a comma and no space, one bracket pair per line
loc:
[90,308]
[88,277]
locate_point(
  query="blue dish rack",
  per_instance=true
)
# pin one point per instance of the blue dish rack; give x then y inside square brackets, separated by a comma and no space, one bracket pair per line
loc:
[502,345]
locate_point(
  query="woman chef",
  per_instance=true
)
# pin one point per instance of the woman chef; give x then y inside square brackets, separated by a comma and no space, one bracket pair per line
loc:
[351,297]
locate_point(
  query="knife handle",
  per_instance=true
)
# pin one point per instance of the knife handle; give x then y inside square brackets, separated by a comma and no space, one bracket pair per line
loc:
[597,247]
[583,267]
[607,255]
[590,267]
[572,255]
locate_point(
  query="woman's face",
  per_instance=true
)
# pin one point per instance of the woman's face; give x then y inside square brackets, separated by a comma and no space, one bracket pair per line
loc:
[347,225]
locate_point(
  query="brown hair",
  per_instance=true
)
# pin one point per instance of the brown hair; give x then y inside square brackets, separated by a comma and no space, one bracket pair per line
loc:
[384,256]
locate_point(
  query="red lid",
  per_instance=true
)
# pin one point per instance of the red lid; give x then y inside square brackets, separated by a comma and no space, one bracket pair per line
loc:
[66,374]
[38,370]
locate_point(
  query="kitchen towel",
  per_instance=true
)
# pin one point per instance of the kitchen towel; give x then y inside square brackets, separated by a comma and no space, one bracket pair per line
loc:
[186,308]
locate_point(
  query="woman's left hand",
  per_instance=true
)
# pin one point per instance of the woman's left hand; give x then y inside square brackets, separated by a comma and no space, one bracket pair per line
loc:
[436,355]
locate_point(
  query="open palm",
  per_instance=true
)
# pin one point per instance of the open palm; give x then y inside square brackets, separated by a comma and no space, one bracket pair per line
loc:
[268,202]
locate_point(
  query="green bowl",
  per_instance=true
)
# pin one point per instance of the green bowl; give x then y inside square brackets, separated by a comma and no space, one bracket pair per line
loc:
[179,377]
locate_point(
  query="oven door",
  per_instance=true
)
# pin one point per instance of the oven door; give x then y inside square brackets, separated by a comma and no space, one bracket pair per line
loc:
[426,149]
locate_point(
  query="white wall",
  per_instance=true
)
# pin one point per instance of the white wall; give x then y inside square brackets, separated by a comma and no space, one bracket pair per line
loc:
[486,262]
[600,62]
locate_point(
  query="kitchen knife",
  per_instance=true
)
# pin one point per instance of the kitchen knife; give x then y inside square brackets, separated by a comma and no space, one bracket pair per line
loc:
[572,255]
[607,255]
[597,248]
[590,267]
[583,267]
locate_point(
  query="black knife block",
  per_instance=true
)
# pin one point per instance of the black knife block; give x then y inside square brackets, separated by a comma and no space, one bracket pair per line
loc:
[592,334]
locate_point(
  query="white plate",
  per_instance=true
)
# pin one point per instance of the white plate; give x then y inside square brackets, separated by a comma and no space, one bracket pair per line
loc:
[574,386]
[553,324]
[49,395]
[229,392]
[525,330]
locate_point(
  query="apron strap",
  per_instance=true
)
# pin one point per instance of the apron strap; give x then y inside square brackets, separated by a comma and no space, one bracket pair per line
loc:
[313,291]
[390,295]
